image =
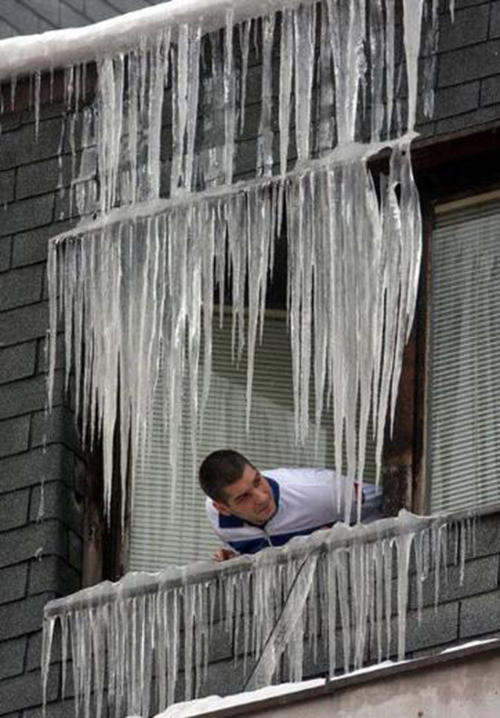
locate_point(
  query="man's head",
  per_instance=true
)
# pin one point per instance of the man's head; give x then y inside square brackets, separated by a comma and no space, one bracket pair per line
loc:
[236,487]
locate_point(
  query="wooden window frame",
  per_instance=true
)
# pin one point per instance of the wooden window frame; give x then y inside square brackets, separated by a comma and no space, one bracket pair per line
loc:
[450,168]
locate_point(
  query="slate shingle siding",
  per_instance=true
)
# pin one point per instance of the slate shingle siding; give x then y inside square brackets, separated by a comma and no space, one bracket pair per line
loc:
[26,17]
[467,96]
[468,67]
[40,529]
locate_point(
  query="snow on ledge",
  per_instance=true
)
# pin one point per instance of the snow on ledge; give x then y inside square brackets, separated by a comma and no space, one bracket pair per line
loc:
[24,55]
[202,706]
[215,703]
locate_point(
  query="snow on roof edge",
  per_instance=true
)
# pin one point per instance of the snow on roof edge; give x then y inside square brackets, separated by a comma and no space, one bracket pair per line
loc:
[25,54]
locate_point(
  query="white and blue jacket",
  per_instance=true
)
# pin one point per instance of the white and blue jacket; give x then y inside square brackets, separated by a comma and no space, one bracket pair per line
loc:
[306,500]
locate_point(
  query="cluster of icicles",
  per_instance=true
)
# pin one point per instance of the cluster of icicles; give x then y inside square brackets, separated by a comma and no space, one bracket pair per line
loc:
[136,285]
[145,642]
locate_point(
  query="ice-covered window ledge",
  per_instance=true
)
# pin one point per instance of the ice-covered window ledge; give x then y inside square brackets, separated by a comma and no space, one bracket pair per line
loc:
[337,585]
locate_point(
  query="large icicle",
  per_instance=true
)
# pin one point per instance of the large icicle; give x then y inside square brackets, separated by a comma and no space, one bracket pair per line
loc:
[136,286]
[140,289]
[337,585]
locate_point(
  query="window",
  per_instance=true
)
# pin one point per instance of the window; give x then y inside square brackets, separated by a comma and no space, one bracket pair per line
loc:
[160,536]
[463,427]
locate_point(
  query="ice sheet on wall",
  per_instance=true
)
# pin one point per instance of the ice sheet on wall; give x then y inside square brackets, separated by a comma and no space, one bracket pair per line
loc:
[161,146]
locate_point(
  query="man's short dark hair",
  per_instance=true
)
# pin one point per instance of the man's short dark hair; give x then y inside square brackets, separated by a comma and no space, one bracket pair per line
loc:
[220,469]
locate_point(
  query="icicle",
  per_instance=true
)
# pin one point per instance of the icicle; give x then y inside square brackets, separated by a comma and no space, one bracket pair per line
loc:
[389,63]
[419,573]
[64,653]
[158,70]
[229,98]
[304,34]
[284,627]
[140,292]
[379,557]
[326,94]
[377,43]
[180,83]
[192,104]
[48,635]
[259,239]
[412,28]
[403,544]
[431,42]
[265,140]
[245,46]
[387,550]
[38,87]
[13,87]
[286,74]
[123,634]
[347,34]
[331,595]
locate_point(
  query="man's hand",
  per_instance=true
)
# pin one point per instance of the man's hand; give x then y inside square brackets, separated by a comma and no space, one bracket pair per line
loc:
[223,554]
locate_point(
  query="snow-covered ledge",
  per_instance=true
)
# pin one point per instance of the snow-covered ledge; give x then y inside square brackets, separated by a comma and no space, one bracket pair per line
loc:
[461,681]
[62,48]
[274,602]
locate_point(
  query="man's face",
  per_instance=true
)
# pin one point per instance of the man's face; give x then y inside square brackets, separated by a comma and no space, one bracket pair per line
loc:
[249,497]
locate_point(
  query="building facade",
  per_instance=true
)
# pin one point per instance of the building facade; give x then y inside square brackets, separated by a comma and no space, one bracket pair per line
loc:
[53,536]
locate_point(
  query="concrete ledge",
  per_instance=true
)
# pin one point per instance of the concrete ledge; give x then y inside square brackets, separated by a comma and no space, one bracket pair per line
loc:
[338,696]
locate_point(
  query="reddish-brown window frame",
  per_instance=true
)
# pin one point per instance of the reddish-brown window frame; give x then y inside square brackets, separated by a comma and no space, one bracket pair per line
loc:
[446,169]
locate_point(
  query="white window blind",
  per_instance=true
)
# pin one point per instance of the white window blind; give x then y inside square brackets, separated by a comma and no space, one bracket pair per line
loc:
[160,537]
[464,389]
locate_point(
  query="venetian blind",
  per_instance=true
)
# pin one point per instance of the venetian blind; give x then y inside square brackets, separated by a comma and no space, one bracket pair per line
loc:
[463,426]
[160,536]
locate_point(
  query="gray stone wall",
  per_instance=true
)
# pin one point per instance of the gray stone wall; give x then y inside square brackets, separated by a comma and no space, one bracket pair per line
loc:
[468,68]
[42,474]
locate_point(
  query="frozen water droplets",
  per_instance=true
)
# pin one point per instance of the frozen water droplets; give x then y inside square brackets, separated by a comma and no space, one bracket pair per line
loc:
[347,588]
[136,286]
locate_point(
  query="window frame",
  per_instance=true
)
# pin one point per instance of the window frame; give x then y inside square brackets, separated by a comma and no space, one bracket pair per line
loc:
[447,169]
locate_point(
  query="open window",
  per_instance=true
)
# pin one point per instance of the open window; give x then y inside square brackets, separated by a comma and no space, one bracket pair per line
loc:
[162,533]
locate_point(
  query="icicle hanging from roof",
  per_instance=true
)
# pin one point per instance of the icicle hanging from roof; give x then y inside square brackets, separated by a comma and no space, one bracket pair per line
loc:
[136,286]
